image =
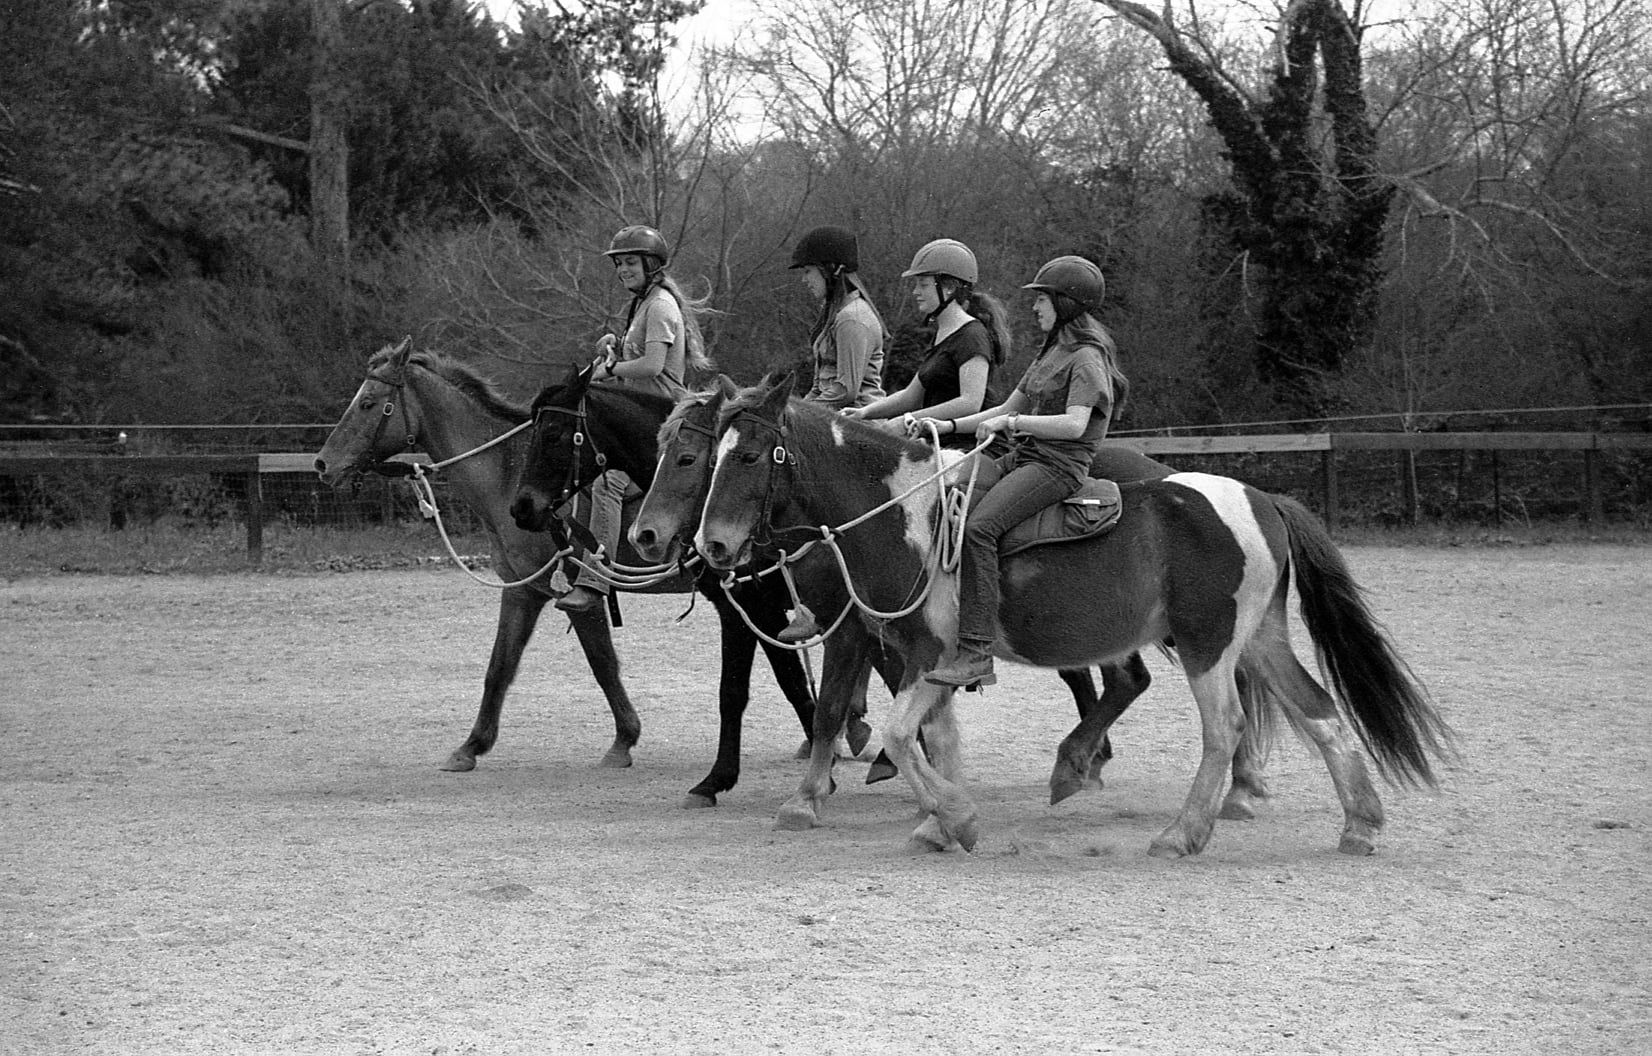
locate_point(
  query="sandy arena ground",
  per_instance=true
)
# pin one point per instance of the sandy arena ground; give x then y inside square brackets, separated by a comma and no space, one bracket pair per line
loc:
[225,833]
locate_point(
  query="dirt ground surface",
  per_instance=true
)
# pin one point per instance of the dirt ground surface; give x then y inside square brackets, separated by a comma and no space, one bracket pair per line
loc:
[225,832]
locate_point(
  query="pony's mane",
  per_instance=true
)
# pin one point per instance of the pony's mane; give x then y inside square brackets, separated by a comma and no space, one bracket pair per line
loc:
[673,424]
[467,379]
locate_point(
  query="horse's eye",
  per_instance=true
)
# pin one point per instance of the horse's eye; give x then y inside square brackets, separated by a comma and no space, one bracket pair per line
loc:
[684,460]
[749,458]
[368,403]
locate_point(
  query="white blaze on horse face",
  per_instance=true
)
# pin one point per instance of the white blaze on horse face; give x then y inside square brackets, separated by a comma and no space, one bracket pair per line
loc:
[1228,497]
[725,444]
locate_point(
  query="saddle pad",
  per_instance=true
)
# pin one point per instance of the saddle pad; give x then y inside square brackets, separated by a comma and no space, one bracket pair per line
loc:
[1089,511]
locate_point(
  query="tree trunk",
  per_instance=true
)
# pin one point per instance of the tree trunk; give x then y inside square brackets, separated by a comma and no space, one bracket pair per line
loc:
[329,154]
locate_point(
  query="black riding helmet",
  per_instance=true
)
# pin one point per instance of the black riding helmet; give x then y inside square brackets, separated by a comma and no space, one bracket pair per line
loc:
[828,248]
[1074,285]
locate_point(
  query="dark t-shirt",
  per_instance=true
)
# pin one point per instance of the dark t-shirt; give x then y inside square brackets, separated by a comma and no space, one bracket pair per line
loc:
[938,373]
[1061,377]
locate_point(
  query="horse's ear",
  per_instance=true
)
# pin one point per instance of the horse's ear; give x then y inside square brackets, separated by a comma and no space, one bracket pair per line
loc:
[725,386]
[774,399]
[578,379]
[399,354]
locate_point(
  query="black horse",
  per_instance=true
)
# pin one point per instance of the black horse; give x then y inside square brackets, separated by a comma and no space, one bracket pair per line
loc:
[580,430]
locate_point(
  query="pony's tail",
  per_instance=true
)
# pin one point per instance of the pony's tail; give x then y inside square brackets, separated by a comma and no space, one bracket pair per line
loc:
[1391,710]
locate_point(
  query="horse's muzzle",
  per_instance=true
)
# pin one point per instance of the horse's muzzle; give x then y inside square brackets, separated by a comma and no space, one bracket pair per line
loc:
[721,555]
[652,547]
[531,510]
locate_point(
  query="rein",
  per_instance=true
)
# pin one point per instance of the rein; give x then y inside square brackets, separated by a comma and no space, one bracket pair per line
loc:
[952,507]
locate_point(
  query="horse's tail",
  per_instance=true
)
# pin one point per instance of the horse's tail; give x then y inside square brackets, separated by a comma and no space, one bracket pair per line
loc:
[1391,710]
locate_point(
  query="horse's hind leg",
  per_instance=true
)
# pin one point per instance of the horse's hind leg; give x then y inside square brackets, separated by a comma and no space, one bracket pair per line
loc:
[1082,752]
[519,611]
[596,639]
[1315,714]
[1250,786]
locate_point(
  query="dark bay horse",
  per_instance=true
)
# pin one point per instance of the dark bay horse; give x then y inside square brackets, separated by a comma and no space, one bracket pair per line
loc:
[578,425]
[424,400]
[671,511]
[1202,561]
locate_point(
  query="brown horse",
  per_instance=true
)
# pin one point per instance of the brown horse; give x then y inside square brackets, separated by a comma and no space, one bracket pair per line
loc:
[670,512]
[426,401]
[1202,561]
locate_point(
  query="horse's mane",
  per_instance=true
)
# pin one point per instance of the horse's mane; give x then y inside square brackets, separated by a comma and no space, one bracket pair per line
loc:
[478,387]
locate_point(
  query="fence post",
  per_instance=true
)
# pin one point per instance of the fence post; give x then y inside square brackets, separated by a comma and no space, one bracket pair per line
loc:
[1328,477]
[1595,512]
[255,515]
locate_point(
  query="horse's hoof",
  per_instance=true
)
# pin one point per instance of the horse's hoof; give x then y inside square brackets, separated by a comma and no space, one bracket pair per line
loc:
[796,817]
[1064,785]
[616,758]
[698,801]
[916,845]
[1167,850]
[858,734]
[966,832]
[804,749]
[1237,810]
[1359,846]
[882,769]
[460,762]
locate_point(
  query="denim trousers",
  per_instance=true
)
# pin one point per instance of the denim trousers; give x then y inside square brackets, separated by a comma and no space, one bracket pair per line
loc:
[607,503]
[1023,490]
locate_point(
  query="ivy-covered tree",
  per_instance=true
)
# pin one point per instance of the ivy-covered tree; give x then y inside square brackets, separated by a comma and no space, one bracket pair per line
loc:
[1308,205]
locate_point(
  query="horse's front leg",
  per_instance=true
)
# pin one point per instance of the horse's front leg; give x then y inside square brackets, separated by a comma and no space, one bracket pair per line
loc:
[596,639]
[1079,759]
[1222,721]
[846,666]
[739,647]
[519,610]
[950,813]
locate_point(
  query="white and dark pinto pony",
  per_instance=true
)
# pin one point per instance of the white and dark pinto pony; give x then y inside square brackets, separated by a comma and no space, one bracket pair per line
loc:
[1199,563]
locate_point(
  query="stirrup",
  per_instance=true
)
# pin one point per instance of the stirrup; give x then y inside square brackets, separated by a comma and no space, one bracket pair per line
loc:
[964,672]
[580,600]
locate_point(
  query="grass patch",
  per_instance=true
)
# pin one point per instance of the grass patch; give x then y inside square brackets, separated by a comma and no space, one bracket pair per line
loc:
[165,549]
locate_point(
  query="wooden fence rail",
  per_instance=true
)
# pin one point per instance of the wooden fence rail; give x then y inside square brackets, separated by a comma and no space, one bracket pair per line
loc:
[252,467]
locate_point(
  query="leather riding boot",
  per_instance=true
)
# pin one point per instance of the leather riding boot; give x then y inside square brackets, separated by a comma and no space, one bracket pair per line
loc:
[970,667]
[580,600]
[802,628]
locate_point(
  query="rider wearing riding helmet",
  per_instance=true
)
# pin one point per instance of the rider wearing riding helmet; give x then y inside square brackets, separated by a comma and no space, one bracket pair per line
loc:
[661,342]
[1056,420]
[971,335]
[848,336]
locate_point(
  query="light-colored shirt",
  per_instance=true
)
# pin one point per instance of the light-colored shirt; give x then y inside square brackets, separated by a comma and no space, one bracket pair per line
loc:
[659,319]
[849,357]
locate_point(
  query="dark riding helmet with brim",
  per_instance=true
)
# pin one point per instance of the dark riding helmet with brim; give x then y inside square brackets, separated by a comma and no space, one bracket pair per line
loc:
[639,240]
[1072,277]
[828,248]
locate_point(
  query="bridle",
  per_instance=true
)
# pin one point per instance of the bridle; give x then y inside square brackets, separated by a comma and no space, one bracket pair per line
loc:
[574,483]
[398,385]
[780,457]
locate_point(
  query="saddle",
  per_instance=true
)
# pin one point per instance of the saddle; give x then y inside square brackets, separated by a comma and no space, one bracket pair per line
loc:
[1091,510]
